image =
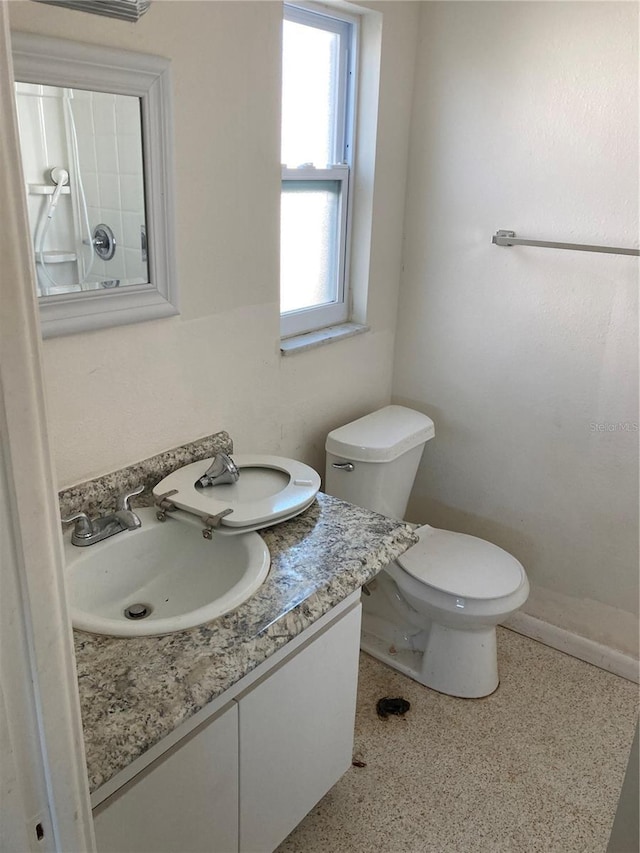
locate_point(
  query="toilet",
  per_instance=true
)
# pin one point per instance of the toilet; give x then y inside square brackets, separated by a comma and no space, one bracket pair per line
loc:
[432,613]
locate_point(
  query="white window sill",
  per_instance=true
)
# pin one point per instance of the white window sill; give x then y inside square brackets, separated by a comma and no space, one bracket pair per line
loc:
[311,340]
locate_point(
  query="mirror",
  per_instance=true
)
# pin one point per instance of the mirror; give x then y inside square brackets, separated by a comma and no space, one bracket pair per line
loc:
[95,137]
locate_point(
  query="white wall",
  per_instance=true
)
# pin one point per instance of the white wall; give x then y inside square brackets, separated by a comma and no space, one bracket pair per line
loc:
[525,117]
[118,395]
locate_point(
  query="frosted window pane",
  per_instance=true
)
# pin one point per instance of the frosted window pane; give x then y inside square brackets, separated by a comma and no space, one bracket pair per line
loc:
[309,237]
[309,84]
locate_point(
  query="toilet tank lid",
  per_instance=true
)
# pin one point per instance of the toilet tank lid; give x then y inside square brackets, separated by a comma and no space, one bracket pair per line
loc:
[381,436]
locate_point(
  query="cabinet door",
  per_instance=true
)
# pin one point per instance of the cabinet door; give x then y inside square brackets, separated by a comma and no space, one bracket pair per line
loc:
[296,734]
[186,801]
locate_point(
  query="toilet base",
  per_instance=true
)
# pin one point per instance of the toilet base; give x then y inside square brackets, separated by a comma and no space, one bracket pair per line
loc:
[405,661]
[459,663]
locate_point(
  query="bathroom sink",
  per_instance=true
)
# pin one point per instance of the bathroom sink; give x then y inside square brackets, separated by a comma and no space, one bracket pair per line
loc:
[165,575]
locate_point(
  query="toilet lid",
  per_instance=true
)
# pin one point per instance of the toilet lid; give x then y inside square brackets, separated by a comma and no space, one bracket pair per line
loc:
[462,565]
[270,489]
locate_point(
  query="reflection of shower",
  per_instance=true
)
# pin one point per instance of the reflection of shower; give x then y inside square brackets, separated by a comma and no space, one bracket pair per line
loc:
[60,177]
[78,171]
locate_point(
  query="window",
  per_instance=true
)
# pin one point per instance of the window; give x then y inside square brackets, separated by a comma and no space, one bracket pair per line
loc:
[318,81]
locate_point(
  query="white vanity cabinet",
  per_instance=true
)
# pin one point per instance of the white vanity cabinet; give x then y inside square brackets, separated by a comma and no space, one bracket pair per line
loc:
[252,767]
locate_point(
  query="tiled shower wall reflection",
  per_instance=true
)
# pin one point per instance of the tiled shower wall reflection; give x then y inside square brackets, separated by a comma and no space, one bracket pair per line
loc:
[110,149]
[105,130]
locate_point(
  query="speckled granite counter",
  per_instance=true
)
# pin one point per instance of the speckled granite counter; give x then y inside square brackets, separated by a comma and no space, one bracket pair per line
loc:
[134,692]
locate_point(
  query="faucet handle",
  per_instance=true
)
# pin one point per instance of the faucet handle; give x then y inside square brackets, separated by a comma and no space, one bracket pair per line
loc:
[122,502]
[84,525]
[222,470]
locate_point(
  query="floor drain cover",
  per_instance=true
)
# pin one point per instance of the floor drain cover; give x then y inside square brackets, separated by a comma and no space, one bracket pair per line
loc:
[138,611]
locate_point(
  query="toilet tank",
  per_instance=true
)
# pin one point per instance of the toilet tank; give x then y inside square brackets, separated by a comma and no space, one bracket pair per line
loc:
[384,450]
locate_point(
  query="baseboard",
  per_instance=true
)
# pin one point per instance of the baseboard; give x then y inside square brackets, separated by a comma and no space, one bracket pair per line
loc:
[572,644]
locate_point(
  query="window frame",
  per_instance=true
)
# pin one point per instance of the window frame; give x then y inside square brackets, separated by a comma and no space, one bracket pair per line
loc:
[316,317]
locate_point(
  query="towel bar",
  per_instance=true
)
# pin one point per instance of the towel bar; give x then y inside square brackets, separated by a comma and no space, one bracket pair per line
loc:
[508,238]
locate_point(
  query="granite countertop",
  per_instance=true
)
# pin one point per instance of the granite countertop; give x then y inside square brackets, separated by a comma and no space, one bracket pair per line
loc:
[134,692]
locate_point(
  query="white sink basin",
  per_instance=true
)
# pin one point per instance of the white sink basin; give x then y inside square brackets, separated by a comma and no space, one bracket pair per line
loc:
[183,579]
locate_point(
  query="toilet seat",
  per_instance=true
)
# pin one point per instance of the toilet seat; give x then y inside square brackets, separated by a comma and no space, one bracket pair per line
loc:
[270,489]
[462,565]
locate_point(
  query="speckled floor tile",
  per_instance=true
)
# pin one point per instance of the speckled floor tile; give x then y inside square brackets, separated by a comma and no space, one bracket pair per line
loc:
[535,768]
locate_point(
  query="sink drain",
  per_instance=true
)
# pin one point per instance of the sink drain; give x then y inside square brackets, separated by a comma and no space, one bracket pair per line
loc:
[138,611]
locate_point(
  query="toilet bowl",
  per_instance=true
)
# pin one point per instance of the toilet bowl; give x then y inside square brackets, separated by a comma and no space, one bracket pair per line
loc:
[433,612]
[460,588]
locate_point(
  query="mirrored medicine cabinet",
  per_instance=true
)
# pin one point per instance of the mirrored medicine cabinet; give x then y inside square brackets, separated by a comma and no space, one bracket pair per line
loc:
[95,129]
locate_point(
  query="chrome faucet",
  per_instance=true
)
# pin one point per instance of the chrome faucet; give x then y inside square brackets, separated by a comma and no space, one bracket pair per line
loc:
[88,531]
[222,470]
